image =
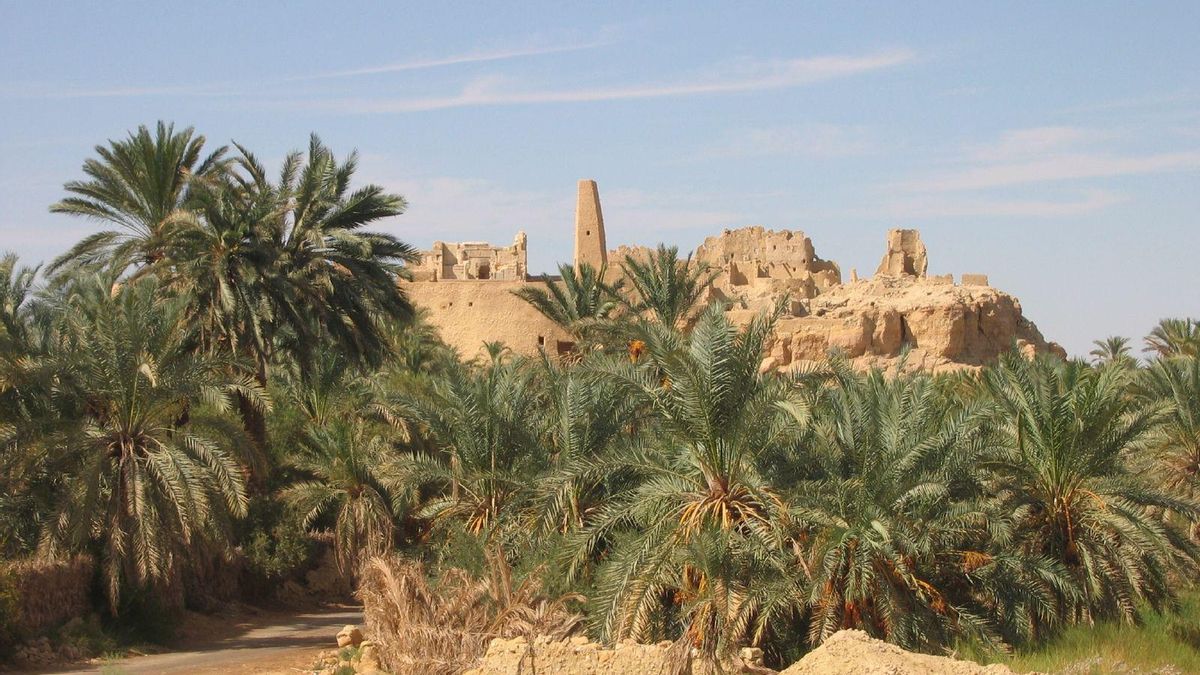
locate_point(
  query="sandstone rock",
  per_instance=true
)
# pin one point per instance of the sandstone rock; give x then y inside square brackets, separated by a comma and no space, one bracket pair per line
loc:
[900,318]
[853,652]
[349,636]
[875,320]
[905,255]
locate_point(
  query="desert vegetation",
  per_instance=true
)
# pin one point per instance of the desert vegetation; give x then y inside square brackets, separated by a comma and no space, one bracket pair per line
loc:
[233,371]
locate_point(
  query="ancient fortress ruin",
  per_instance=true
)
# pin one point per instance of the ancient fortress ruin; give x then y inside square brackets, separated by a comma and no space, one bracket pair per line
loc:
[939,323]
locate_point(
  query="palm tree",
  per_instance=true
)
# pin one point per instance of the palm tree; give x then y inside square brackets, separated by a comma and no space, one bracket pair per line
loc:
[1113,349]
[283,269]
[666,286]
[900,542]
[585,417]
[1175,442]
[342,279]
[1066,429]
[27,483]
[1174,337]
[352,480]
[152,463]
[480,422]
[694,525]
[142,184]
[578,301]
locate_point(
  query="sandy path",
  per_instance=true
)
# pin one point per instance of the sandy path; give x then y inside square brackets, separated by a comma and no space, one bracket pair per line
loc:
[261,644]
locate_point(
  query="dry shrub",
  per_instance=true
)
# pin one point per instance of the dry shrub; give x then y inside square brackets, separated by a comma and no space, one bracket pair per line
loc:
[47,592]
[444,628]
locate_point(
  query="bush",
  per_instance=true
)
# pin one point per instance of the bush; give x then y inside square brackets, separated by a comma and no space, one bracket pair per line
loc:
[443,627]
[38,595]
[275,548]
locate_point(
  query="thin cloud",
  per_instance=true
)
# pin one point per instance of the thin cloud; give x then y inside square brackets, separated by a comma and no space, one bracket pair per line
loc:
[49,92]
[1025,143]
[941,207]
[226,89]
[749,76]
[459,59]
[814,141]
[1056,168]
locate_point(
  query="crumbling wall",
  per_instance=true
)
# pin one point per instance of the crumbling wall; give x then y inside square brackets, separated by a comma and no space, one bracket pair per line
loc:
[469,313]
[905,256]
[473,260]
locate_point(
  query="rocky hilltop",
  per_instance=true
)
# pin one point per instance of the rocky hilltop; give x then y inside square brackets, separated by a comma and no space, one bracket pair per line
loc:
[938,323]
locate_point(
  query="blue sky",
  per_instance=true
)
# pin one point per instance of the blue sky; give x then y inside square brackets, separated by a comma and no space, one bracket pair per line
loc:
[1053,146]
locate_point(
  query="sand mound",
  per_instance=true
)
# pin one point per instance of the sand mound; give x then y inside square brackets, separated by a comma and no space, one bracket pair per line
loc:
[853,652]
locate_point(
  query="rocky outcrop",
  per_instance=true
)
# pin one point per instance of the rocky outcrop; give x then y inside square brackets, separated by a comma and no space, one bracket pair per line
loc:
[938,325]
[905,256]
[902,309]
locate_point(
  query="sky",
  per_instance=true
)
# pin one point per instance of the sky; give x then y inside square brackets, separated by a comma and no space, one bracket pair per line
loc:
[1053,146]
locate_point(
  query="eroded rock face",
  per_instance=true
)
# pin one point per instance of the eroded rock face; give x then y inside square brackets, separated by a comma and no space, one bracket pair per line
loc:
[936,324]
[905,256]
[872,322]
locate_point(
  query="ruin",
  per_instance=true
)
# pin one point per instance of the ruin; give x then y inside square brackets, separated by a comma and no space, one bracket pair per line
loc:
[900,316]
[589,227]
[473,260]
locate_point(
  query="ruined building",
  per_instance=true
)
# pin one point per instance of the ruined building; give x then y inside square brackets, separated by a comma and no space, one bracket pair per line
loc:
[468,289]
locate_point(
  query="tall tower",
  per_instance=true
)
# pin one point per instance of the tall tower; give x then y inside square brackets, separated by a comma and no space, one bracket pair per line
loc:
[590,247]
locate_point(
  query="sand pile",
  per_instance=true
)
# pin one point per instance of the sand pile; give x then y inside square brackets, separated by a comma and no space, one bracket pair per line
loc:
[853,652]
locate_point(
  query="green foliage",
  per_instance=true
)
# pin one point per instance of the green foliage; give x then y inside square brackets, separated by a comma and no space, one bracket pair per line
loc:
[1175,337]
[577,301]
[687,495]
[275,546]
[150,464]
[665,286]
[904,544]
[1065,429]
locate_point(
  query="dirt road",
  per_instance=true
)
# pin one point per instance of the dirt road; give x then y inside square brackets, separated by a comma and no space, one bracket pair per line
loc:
[276,643]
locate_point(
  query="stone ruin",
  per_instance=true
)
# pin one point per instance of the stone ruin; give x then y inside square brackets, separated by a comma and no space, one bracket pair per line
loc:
[900,316]
[473,260]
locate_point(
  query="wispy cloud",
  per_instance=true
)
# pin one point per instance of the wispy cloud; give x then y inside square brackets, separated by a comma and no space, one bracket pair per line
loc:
[225,89]
[1055,168]
[1025,143]
[44,91]
[942,206]
[815,141]
[742,77]
[454,60]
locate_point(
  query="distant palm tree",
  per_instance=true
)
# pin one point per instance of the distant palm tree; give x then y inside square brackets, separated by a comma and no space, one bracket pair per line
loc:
[144,185]
[1175,442]
[583,419]
[351,484]
[1112,349]
[481,421]
[152,463]
[1174,337]
[27,482]
[666,287]
[1067,428]
[577,301]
